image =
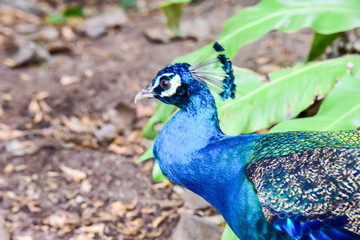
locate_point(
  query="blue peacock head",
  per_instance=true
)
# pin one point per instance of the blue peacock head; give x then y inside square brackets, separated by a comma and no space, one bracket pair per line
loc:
[176,84]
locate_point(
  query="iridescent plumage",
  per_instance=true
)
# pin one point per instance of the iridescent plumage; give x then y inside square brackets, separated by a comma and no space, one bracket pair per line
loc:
[293,185]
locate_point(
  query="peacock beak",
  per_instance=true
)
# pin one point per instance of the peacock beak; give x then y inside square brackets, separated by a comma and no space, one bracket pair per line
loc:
[144,93]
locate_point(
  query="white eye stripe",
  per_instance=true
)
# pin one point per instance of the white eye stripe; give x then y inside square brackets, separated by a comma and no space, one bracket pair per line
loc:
[158,80]
[175,82]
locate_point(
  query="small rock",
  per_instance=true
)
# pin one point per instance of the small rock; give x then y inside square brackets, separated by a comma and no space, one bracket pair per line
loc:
[97,26]
[262,60]
[96,31]
[357,45]
[85,186]
[75,174]
[26,6]
[58,47]
[122,116]
[194,227]
[197,29]
[3,231]
[106,132]
[67,80]
[193,201]
[22,56]
[49,34]
[158,34]
[68,33]
[267,68]
[18,148]
[26,28]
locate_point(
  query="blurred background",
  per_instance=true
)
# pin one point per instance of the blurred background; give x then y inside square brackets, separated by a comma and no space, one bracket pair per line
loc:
[70,133]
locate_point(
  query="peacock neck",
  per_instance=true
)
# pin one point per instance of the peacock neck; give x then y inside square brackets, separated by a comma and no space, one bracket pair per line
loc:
[191,129]
[201,110]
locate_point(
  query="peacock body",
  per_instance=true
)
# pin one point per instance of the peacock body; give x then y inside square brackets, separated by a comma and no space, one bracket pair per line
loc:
[292,185]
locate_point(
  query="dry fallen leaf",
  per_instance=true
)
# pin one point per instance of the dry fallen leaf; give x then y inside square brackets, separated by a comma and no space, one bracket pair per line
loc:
[138,222]
[96,228]
[120,150]
[164,184]
[38,107]
[85,236]
[33,206]
[80,125]
[19,148]
[75,174]
[85,186]
[155,234]
[9,168]
[23,238]
[127,230]
[161,218]
[148,211]
[20,167]
[57,221]
[9,134]
[119,208]
[67,80]
[8,96]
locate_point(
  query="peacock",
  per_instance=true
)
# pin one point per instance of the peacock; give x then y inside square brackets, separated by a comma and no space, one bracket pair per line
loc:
[290,185]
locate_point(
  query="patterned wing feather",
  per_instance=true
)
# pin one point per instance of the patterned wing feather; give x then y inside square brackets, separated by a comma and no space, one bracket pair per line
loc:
[281,144]
[313,194]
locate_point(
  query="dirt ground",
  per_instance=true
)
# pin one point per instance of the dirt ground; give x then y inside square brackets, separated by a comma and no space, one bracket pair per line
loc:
[70,133]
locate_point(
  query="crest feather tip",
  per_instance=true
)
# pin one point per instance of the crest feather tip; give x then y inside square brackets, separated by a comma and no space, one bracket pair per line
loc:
[217,47]
[216,73]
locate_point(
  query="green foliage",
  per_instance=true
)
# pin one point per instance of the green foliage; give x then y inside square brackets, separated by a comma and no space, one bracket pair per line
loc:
[289,92]
[55,18]
[320,43]
[162,114]
[157,174]
[172,10]
[228,234]
[60,17]
[146,155]
[126,4]
[339,111]
[252,23]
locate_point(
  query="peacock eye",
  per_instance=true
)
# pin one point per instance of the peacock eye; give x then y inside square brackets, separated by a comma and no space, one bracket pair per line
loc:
[164,83]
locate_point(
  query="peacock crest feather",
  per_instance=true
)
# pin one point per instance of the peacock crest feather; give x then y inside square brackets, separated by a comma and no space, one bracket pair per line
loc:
[216,72]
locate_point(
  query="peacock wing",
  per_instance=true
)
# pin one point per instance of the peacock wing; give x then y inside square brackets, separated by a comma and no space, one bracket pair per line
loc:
[313,194]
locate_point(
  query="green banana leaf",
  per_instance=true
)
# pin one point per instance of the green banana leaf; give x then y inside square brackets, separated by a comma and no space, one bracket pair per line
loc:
[228,234]
[252,23]
[172,10]
[320,43]
[340,110]
[289,92]
[163,111]
[157,174]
